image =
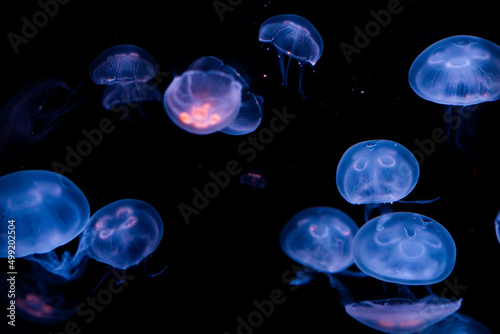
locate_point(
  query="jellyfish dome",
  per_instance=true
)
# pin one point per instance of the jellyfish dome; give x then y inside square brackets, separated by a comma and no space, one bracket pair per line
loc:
[406,248]
[123,233]
[320,238]
[294,36]
[376,171]
[400,315]
[125,69]
[458,70]
[46,209]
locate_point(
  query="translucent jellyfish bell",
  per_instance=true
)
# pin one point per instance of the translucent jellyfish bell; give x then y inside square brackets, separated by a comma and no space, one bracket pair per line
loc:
[210,97]
[376,171]
[320,238]
[400,315]
[125,70]
[406,248]
[48,211]
[30,115]
[458,70]
[294,36]
[497,226]
[123,233]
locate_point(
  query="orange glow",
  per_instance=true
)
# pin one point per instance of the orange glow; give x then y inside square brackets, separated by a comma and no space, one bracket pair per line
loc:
[185,118]
[386,323]
[200,112]
[34,305]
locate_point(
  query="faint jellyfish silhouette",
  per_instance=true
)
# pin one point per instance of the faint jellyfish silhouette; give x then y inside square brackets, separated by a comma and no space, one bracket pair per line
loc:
[253,179]
[497,226]
[294,36]
[123,233]
[376,172]
[319,238]
[401,315]
[125,70]
[457,323]
[458,71]
[405,248]
[29,116]
[43,303]
[211,96]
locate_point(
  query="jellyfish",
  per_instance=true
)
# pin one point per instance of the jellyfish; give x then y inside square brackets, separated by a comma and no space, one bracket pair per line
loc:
[320,238]
[460,72]
[405,248]
[253,179]
[46,209]
[294,36]
[123,233]
[376,172]
[211,96]
[402,315]
[125,70]
[457,323]
[29,116]
[497,226]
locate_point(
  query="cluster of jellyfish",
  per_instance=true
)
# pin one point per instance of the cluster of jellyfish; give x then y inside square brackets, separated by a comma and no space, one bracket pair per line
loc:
[48,211]
[404,249]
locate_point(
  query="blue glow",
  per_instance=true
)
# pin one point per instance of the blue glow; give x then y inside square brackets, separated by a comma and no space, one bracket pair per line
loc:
[48,209]
[294,36]
[400,315]
[123,233]
[320,238]
[458,70]
[376,171]
[211,96]
[30,115]
[406,248]
[457,323]
[497,226]
[125,69]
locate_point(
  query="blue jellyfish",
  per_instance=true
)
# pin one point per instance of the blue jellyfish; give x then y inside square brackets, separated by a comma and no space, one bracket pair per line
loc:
[402,315]
[30,115]
[405,248]
[319,238]
[254,179]
[45,209]
[123,233]
[376,172]
[294,36]
[458,71]
[497,226]
[125,70]
[457,323]
[211,96]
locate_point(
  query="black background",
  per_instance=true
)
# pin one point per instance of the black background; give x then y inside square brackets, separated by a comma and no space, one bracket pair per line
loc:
[228,255]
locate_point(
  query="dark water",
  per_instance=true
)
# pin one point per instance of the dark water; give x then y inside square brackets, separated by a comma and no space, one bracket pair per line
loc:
[227,260]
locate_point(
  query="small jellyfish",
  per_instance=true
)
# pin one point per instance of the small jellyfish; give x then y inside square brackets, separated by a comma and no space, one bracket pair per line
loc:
[254,179]
[401,315]
[294,36]
[320,238]
[29,116]
[211,96]
[405,248]
[458,71]
[457,323]
[125,70]
[123,233]
[46,210]
[376,172]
